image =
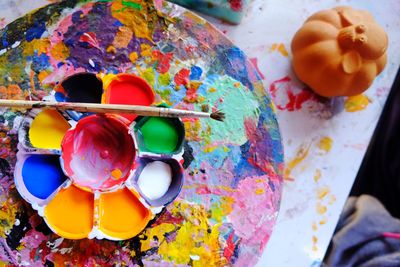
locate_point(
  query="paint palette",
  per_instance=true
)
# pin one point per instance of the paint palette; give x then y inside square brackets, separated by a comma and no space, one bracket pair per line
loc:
[99,176]
[226,209]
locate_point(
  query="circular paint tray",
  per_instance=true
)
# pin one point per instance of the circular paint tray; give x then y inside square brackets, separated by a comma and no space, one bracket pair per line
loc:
[91,175]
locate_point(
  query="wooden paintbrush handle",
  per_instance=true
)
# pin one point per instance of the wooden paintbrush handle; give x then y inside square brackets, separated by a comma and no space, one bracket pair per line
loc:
[105,108]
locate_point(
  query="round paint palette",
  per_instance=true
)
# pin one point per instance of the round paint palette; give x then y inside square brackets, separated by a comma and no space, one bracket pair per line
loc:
[232,171]
[88,178]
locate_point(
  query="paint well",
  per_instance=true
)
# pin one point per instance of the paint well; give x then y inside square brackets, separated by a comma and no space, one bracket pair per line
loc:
[155,179]
[81,87]
[42,175]
[160,135]
[70,213]
[130,90]
[121,215]
[99,152]
[48,129]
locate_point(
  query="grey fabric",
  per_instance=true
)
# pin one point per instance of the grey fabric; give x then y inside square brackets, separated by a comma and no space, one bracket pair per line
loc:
[358,240]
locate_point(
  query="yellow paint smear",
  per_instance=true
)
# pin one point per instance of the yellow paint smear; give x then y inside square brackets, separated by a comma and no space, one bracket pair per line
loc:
[70,213]
[121,215]
[317,175]
[48,129]
[60,51]
[323,221]
[321,209]
[325,143]
[356,103]
[279,48]
[322,192]
[302,153]
[123,37]
[314,243]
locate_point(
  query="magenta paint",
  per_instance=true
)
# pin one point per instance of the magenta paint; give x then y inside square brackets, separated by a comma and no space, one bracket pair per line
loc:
[99,153]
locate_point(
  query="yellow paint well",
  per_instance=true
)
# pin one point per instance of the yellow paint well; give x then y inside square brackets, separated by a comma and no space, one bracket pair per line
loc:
[70,213]
[121,215]
[356,103]
[48,129]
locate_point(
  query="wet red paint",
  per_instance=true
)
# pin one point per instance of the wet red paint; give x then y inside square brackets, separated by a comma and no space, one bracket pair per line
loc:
[130,90]
[182,77]
[163,61]
[295,100]
[90,38]
[84,147]
[230,247]
[254,61]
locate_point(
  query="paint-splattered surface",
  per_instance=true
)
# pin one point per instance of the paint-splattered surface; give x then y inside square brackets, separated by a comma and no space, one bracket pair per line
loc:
[233,171]
[228,10]
[324,140]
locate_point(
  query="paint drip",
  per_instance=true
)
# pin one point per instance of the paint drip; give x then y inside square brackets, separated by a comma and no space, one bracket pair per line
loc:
[155,179]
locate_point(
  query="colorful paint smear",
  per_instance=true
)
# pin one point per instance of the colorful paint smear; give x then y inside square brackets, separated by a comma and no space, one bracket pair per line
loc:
[225,213]
[356,103]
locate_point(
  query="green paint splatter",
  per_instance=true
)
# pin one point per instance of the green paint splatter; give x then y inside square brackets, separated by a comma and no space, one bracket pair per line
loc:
[149,76]
[132,5]
[164,79]
[159,135]
[237,102]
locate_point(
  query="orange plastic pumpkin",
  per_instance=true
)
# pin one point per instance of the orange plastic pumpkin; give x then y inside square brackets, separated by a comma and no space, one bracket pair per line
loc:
[339,52]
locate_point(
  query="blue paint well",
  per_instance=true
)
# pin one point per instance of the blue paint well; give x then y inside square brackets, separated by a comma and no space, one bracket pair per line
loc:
[42,175]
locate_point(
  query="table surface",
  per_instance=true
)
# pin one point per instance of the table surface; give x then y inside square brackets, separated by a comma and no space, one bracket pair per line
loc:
[324,140]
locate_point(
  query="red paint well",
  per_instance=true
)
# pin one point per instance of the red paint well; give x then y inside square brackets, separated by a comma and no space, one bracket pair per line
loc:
[98,145]
[129,89]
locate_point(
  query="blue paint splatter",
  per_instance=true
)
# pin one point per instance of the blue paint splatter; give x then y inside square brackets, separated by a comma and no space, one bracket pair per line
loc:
[195,73]
[4,38]
[40,63]
[36,31]
[42,175]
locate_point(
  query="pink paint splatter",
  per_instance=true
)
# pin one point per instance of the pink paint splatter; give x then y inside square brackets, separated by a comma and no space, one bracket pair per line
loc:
[293,98]
[163,61]
[254,199]
[90,38]
[254,61]
[2,22]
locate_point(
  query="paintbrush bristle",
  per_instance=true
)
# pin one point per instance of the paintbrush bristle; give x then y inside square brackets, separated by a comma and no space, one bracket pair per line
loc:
[218,115]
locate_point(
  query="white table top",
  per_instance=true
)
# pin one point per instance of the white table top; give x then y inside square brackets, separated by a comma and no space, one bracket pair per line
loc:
[324,143]
[323,146]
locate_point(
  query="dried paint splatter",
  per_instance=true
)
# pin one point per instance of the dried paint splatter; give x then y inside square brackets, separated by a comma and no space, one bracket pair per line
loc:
[233,175]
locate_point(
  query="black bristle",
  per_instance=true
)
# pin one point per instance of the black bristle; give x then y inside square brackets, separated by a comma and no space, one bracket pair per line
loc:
[218,115]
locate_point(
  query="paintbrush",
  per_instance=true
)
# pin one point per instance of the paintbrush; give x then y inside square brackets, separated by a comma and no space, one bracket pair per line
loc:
[115,108]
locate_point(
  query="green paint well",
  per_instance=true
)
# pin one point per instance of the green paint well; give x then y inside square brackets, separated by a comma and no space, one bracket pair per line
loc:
[160,135]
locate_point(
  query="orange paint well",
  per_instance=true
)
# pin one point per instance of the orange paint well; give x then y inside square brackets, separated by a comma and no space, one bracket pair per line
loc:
[121,215]
[70,213]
